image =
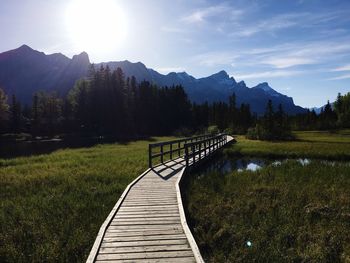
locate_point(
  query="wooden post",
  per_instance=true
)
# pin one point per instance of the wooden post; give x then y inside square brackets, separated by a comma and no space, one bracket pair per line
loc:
[186,155]
[149,156]
[200,150]
[161,154]
[171,151]
[179,146]
[193,154]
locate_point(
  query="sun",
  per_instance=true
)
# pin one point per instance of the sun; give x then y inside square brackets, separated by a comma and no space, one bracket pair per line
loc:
[95,25]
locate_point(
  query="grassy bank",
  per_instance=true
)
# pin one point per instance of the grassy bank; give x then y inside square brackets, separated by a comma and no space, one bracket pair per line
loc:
[315,144]
[289,213]
[53,205]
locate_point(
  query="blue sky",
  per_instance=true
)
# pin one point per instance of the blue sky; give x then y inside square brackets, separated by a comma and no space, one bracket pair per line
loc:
[301,47]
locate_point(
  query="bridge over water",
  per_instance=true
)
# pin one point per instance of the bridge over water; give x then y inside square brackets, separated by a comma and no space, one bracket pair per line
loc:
[148,222]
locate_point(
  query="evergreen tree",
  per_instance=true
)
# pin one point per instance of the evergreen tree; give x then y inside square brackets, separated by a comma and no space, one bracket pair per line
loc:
[342,109]
[328,117]
[35,115]
[4,107]
[16,115]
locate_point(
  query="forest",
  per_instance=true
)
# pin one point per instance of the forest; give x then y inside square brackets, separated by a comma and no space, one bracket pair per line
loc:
[110,104]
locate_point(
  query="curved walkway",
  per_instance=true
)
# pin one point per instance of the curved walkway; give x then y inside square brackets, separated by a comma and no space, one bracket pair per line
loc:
[148,223]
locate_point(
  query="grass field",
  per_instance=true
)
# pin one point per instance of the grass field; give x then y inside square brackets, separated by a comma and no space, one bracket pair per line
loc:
[52,206]
[289,213]
[315,144]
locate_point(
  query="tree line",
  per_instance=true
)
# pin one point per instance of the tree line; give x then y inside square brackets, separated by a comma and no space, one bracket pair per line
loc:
[332,116]
[109,104]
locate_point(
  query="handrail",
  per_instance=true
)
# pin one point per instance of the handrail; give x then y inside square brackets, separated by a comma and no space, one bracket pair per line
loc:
[176,148]
[195,151]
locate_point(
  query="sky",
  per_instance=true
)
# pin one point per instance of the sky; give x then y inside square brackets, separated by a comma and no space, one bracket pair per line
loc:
[300,47]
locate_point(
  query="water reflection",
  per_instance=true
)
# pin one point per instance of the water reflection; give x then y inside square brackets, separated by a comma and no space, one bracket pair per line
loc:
[304,162]
[28,148]
[223,165]
[251,167]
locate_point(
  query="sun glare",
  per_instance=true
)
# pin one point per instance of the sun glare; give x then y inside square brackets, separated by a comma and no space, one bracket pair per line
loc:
[96,25]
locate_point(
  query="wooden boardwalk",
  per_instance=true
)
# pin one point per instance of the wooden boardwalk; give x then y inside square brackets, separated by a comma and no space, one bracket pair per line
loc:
[148,223]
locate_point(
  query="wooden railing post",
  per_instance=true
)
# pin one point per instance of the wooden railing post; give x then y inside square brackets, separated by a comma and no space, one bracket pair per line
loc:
[149,156]
[193,154]
[192,147]
[186,155]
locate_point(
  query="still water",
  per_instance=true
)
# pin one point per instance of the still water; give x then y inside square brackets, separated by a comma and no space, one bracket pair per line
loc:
[226,165]
[27,148]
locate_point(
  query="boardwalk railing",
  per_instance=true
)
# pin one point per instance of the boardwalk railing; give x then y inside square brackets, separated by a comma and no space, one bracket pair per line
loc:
[170,150]
[189,148]
[198,150]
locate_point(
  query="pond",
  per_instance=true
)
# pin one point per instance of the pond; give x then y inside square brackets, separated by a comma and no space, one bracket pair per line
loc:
[290,205]
[27,148]
[226,165]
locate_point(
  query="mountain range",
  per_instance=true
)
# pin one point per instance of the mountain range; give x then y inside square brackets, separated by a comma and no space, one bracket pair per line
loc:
[24,71]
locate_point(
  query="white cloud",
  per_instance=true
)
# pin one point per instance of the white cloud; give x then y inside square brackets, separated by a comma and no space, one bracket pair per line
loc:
[269,25]
[268,74]
[166,70]
[297,54]
[345,76]
[343,68]
[284,21]
[218,58]
[286,62]
[201,15]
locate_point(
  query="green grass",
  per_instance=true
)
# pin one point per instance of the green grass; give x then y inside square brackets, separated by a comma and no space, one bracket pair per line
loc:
[321,145]
[52,206]
[290,213]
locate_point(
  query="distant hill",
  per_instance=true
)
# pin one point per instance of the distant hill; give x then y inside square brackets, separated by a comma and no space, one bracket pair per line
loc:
[24,71]
[217,87]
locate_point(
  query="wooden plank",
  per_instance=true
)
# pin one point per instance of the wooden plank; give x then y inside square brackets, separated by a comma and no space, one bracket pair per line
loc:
[137,198]
[145,255]
[143,238]
[154,260]
[145,243]
[145,219]
[141,227]
[147,216]
[141,230]
[148,203]
[144,223]
[119,250]
[149,198]
[148,212]
[150,206]
[143,233]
